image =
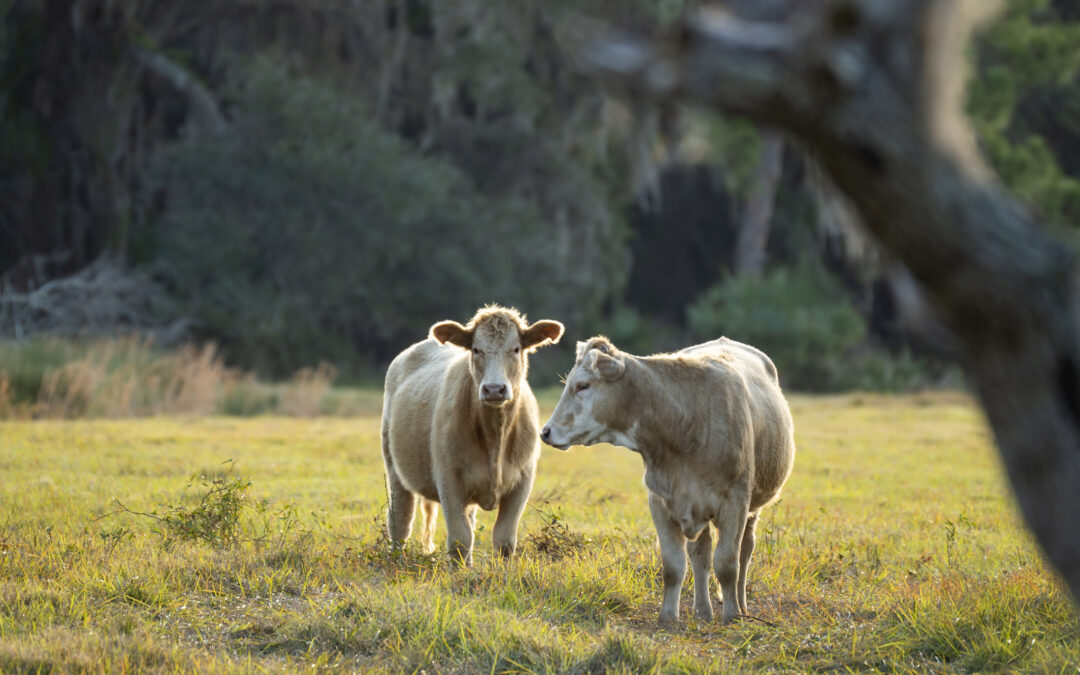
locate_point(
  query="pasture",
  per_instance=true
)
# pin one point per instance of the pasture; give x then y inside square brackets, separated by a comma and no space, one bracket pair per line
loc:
[895,547]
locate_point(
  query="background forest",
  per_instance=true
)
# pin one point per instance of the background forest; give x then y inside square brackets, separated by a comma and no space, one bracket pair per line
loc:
[301,181]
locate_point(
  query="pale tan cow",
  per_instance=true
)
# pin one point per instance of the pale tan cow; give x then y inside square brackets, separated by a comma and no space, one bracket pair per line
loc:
[460,427]
[716,436]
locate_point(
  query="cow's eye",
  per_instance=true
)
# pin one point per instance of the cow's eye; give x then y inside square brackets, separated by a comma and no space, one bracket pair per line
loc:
[476,351]
[581,386]
[517,350]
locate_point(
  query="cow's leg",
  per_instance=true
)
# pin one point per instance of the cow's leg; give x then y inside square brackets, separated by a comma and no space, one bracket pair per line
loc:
[459,522]
[504,534]
[431,512]
[673,553]
[400,511]
[729,527]
[744,558]
[700,551]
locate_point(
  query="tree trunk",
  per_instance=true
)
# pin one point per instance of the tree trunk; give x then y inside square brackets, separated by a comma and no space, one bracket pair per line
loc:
[874,90]
[757,217]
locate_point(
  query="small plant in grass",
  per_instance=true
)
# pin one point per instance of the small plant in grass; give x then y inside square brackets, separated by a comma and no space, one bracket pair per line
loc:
[112,538]
[215,520]
[554,539]
[951,529]
[223,517]
[381,555]
[281,525]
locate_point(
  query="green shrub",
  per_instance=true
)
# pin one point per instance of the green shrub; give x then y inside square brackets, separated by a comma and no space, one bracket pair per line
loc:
[215,519]
[797,315]
[878,370]
[310,233]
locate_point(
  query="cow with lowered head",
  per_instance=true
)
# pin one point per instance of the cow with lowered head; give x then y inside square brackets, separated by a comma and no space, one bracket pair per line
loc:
[460,427]
[716,437]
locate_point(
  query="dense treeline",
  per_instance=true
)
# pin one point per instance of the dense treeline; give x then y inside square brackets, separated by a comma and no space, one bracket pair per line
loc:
[305,181]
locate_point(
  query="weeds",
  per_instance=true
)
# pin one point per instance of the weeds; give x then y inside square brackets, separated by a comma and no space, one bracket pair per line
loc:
[214,520]
[951,529]
[111,538]
[222,517]
[554,540]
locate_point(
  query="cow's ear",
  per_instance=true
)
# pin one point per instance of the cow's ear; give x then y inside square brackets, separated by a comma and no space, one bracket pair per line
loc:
[580,350]
[541,333]
[609,367]
[452,332]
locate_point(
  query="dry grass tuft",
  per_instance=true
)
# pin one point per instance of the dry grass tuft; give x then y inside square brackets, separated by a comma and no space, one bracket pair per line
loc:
[127,378]
[57,378]
[304,395]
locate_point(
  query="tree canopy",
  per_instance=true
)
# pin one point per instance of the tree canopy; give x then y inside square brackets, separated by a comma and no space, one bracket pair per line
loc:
[307,181]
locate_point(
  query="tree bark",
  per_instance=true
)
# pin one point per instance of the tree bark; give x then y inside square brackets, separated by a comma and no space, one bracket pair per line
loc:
[757,217]
[874,90]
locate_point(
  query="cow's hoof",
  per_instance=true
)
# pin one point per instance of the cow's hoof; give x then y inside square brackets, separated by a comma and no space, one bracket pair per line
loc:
[668,620]
[460,557]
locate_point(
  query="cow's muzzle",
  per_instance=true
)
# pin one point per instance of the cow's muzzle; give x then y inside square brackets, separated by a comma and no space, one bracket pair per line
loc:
[495,394]
[545,436]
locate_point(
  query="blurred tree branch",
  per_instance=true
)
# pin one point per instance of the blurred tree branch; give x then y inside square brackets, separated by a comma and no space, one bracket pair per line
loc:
[757,215]
[185,82]
[874,90]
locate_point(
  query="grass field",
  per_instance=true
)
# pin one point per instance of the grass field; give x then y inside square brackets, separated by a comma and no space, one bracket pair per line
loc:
[895,547]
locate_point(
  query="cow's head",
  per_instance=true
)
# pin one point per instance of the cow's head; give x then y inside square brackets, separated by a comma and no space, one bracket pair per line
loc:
[592,408]
[499,341]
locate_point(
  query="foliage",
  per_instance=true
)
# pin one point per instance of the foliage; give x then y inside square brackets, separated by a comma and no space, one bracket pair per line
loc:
[390,164]
[1023,104]
[329,233]
[214,519]
[796,315]
[734,145]
[872,369]
[870,562]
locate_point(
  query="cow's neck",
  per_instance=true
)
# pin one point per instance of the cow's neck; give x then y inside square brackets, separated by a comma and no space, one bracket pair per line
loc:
[660,416]
[495,427]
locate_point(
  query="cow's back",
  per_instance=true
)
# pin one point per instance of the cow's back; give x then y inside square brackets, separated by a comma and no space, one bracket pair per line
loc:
[414,381]
[770,416]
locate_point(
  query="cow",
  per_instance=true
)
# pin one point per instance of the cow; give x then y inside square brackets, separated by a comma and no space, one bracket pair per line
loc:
[717,440]
[460,427]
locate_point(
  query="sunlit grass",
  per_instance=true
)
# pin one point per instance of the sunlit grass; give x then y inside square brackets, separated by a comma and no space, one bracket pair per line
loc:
[895,547]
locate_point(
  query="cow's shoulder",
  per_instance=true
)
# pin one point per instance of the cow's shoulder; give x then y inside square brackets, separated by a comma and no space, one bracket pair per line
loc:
[422,364]
[750,360]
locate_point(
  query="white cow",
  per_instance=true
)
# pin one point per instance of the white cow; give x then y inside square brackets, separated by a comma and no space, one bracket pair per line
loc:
[717,439]
[459,427]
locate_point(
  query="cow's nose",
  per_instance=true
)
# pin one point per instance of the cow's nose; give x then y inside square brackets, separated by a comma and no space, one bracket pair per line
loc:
[494,391]
[545,434]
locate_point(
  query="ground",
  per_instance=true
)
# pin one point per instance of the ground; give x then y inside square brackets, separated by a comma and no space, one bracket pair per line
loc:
[895,547]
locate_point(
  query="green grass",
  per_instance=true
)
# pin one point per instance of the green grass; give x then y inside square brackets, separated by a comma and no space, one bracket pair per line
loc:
[896,547]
